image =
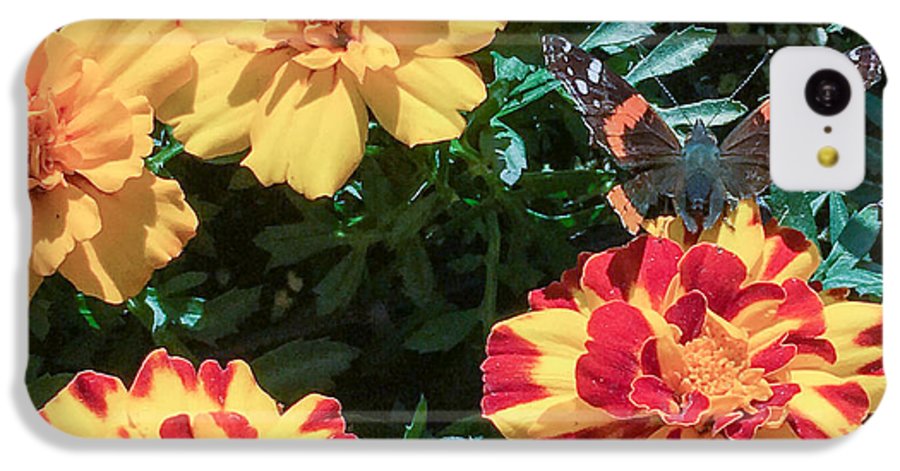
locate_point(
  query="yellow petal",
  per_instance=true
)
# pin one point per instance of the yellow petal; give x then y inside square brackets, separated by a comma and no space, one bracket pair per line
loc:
[529,376]
[149,58]
[438,38]
[827,406]
[419,101]
[740,232]
[92,405]
[61,217]
[310,131]
[55,66]
[313,416]
[235,389]
[145,225]
[212,114]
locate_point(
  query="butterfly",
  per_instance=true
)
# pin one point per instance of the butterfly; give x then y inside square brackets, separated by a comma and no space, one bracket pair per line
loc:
[698,176]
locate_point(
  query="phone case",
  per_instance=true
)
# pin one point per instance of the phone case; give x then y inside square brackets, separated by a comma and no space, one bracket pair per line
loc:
[441,229]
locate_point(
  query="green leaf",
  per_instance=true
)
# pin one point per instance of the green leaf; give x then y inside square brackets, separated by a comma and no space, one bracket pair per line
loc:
[416,428]
[413,218]
[722,110]
[416,272]
[223,314]
[838,215]
[292,243]
[443,332]
[510,68]
[856,239]
[474,426]
[794,209]
[677,51]
[38,320]
[614,37]
[182,282]
[864,282]
[300,367]
[340,284]
[506,146]
[46,386]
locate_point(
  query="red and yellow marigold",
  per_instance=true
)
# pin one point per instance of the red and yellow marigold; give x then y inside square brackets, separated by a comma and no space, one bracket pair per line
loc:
[674,336]
[297,93]
[99,217]
[170,399]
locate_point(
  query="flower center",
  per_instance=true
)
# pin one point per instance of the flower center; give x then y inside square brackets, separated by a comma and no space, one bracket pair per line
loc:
[713,369]
[328,34]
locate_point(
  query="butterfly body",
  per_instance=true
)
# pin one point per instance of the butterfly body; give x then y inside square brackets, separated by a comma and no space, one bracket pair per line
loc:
[698,177]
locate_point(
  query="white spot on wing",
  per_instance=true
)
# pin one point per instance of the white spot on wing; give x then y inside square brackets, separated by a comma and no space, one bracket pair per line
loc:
[582,86]
[594,70]
[570,71]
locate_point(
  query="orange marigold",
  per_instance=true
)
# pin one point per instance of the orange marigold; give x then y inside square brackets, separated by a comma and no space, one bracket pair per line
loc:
[99,217]
[297,93]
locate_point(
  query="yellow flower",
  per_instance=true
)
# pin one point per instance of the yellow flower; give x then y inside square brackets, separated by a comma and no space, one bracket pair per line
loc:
[297,93]
[680,336]
[99,217]
[170,399]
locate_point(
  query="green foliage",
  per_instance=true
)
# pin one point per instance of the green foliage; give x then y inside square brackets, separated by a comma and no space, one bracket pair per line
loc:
[384,294]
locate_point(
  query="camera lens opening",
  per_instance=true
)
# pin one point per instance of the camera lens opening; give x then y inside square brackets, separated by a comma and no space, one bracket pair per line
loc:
[828,92]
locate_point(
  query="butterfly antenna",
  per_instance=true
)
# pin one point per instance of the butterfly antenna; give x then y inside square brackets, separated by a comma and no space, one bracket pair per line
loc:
[753,72]
[668,94]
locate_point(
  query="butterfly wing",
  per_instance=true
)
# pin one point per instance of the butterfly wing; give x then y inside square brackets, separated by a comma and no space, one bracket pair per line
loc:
[745,155]
[618,118]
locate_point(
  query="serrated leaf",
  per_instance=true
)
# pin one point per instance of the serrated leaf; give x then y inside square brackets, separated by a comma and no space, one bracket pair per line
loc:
[856,239]
[864,282]
[722,110]
[794,209]
[838,215]
[410,220]
[416,272]
[613,37]
[340,284]
[510,68]
[443,332]
[292,243]
[677,51]
[297,368]
[506,146]
[223,314]
[416,427]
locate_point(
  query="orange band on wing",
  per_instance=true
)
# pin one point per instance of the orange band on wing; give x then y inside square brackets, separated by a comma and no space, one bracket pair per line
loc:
[623,119]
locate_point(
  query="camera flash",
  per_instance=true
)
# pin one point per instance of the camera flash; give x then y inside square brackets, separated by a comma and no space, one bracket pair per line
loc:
[828,156]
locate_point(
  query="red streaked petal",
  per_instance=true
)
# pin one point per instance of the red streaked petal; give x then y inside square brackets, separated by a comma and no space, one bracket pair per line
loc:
[652,393]
[91,405]
[801,304]
[754,305]
[159,367]
[605,373]
[715,272]
[507,371]
[746,427]
[177,426]
[313,416]
[786,254]
[560,294]
[826,405]
[774,356]
[689,314]
[638,273]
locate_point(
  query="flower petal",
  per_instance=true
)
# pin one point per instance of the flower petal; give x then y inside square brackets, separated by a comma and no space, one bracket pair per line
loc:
[438,38]
[419,101]
[638,273]
[91,405]
[618,333]
[713,271]
[786,254]
[61,218]
[689,314]
[310,133]
[827,406]
[145,225]
[222,424]
[164,386]
[313,416]
[125,48]
[234,389]
[529,375]
[212,114]
[565,293]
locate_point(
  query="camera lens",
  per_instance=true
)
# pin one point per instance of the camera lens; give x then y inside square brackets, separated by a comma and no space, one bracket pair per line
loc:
[828,92]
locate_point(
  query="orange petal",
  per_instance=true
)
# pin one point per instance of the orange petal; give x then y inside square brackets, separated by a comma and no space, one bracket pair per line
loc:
[310,133]
[419,101]
[125,48]
[212,114]
[145,225]
[61,218]
[438,38]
